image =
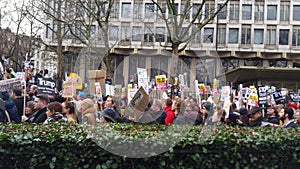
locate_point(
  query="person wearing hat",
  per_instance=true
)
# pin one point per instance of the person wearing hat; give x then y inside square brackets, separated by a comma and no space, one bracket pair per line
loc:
[107,115]
[255,117]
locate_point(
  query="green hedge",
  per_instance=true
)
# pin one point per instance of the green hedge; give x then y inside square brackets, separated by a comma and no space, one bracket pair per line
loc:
[71,146]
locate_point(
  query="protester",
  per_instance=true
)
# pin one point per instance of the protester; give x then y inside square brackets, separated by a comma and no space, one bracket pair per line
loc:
[273,116]
[289,121]
[89,112]
[32,92]
[29,109]
[109,102]
[107,115]
[18,99]
[40,105]
[54,113]
[255,117]
[155,115]
[69,110]
[4,118]
[10,107]
[169,112]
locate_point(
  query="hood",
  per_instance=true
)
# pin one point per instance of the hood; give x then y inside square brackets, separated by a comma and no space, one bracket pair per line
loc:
[9,104]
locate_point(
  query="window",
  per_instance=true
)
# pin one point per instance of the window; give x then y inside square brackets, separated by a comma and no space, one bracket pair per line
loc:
[149,10]
[209,9]
[67,31]
[222,34]
[48,30]
[93,31]
[103,8]
[296,36]
[159,66]
[246,35]
[258,36]
[126,10]
[296,13]
[100,33]
[114,33]
[148,33]
[229,64]
[271,12]
[271,35]
[284,36]
[247,12]
[125,32]
[137,10]
[54,31]
[196,38]
[223,12]
[114,13]
[208,35]
[160,34]
[253,62]
[284,11]
[137,33]
[233,35]
[162,14]
[195,9]
[259,11]
[234,10]
[278,63]
[79,9]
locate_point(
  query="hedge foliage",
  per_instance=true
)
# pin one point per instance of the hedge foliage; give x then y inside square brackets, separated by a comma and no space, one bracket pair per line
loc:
[59,145]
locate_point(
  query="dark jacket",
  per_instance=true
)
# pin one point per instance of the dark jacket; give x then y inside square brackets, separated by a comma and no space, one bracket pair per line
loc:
[273,120]
[19,102]
[38,117]
[12,111]
[256,122]
[3,117]
[151,117]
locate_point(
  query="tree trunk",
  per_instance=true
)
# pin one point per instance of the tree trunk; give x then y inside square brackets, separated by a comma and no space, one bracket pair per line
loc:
[174,64]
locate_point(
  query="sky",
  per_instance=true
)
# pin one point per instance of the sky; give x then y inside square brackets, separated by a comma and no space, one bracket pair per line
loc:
[9,16]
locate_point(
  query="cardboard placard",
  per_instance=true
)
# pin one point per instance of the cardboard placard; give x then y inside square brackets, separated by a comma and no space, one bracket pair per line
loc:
[138,104]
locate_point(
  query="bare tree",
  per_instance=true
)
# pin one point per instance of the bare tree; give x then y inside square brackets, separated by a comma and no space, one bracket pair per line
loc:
[180,24]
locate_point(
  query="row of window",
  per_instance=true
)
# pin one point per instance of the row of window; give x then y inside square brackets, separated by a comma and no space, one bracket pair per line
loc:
[246,35]
[259,11]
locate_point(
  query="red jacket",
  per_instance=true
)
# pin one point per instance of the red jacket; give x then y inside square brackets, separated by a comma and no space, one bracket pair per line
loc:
[170,115]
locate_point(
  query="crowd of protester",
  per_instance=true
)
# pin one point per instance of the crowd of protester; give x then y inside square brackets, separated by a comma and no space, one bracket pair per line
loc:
[41,108]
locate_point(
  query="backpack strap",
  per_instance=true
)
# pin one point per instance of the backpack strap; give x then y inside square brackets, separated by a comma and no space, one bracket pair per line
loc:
[7,116]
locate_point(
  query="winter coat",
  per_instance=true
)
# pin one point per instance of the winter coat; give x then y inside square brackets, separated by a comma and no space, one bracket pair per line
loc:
[38,117]
[12,111]
[56,117]
[169,115]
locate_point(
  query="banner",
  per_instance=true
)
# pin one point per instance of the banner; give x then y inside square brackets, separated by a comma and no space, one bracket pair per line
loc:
[10,84]
[46,86]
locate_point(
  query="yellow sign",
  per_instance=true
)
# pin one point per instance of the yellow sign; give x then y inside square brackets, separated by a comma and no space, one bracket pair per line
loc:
[160,79]
[74,79]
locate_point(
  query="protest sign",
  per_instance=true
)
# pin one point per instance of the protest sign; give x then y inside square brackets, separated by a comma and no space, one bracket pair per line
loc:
[46,86]
[262,95]
[279,98]
[10,84]
[294,97]
[68,91]
[161,82]
[138,104]
[142,78]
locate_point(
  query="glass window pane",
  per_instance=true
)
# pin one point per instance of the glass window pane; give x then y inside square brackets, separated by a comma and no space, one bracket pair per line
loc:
[149,10]
[137,33]
[137,10]
[284,12]
[272,12]
[223,13]
[126,10]
[259,12]
[114,33]
[284,37]
[296,13]
[208,35]
[258,36]
[247,12]
[233,35]
[234,11]
[160,34]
